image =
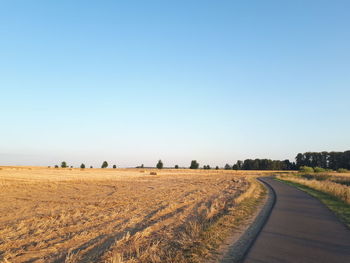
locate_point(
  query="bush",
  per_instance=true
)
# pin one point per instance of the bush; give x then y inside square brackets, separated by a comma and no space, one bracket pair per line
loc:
[56,166]
[318,177]
[176,167]
[217,168]
[319,170]
[91,167]
[342,170]
[64,164]
[306,169]
[82,166]
[114,166]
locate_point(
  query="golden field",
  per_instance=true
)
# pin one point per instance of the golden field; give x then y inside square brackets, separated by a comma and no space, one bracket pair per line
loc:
[113,215]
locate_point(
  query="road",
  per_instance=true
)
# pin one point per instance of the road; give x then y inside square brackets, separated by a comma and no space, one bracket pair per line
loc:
[299,229]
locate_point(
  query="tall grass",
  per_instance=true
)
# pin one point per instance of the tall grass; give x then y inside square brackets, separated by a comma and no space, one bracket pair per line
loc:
[337,190]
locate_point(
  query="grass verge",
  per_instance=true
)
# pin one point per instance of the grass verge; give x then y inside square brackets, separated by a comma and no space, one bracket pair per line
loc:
[339,207]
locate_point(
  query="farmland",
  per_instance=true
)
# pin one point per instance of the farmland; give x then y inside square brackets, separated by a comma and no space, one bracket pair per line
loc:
[116,215]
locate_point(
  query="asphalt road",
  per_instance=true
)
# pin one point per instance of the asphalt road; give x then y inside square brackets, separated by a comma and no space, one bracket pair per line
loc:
[300,229]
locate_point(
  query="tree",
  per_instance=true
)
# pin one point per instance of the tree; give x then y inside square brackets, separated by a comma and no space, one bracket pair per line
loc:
[91,167]
[160,164]
[228,167]
[176,166]
[142,166]
[64,164]
[104,164]
[299,159]
[114,166]
[194,164]
[326,160]
[206,167]
[239,164]
[82,166]
[56,166]
[217,168]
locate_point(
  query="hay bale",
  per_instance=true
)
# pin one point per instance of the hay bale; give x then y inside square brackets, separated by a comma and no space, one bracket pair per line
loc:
[153,173]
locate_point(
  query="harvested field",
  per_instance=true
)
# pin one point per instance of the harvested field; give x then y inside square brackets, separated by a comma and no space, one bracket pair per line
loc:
[110,215]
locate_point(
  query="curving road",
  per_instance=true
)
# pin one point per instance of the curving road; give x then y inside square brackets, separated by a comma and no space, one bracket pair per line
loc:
[299,229]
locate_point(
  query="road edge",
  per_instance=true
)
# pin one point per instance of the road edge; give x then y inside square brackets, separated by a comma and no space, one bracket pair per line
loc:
[238,251]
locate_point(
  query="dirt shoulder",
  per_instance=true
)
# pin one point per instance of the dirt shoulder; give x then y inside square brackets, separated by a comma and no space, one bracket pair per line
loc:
[252,215]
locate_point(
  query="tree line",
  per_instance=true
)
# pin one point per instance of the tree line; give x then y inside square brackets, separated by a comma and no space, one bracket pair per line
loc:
[326,160]
[263,164]
[82,166]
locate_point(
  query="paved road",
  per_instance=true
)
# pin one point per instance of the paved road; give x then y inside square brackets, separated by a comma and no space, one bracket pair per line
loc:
[300,229]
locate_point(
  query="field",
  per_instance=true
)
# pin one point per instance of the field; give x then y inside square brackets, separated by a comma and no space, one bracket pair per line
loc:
[114,215]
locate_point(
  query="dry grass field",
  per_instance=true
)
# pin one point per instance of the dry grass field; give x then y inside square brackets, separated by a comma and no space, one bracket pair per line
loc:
[111,215]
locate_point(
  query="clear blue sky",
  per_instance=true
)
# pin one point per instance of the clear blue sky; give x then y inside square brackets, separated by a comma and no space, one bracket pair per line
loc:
[132,82]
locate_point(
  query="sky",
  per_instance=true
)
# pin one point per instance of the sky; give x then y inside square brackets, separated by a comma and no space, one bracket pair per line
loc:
[132,82]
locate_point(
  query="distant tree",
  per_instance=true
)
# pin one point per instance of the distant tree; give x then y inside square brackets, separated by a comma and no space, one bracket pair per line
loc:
[82,166]
[299,160]
[228,167]
[326,160]
[239,164]
[176,166]
[104,164]
[56,166]
[235,167]
[114,166]
[217,168]
[142,166]
[159,164]
[64,164]
[71,166]
[91,167]
[194,164]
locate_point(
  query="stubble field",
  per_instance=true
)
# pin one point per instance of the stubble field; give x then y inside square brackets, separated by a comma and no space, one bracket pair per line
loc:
[112,215]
